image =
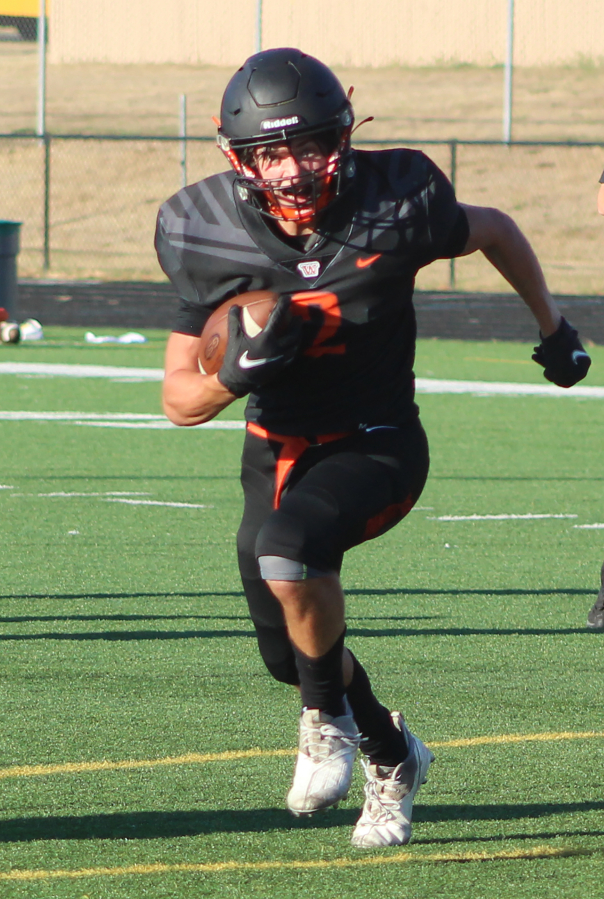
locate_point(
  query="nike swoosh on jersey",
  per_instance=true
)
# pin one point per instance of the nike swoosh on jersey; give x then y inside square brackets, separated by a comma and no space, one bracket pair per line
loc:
[578,354]
[364,263]
[246,362]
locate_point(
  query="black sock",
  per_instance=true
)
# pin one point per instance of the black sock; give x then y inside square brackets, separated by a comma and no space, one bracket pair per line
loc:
[321,680]
[382,741]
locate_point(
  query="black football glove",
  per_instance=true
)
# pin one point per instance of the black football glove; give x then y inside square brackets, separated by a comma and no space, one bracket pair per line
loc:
[562,356]
[250,362]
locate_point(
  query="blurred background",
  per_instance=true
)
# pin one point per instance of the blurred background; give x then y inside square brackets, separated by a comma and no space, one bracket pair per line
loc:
[106,110]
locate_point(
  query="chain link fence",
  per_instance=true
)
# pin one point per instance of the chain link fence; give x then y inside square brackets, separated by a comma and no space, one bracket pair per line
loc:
[88,205]
[88,192]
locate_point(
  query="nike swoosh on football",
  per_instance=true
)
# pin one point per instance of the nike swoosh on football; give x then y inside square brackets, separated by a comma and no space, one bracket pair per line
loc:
[364,263]
[246,362]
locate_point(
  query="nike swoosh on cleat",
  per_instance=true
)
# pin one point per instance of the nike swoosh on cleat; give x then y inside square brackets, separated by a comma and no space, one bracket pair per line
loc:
[246,362]
[364,263]
[578,354]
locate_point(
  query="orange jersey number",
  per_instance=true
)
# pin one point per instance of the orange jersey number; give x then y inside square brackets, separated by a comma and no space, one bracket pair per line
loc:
[332,318]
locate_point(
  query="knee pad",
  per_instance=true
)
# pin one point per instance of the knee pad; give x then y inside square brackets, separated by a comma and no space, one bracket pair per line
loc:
[277,568]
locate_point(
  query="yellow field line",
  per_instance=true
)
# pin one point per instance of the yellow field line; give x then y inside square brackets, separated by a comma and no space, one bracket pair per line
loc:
[520,738]
[191,758]
[537,852]
[196,758]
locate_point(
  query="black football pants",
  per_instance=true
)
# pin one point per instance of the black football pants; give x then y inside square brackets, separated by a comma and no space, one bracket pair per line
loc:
[312,499]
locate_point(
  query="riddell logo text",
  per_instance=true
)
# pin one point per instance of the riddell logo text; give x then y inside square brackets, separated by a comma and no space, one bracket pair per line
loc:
[280,123]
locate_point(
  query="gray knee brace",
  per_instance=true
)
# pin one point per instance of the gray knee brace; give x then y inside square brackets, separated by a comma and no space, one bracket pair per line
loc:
[276,568]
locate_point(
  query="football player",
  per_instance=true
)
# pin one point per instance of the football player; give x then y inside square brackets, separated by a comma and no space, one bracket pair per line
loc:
[334,453]
[595,618]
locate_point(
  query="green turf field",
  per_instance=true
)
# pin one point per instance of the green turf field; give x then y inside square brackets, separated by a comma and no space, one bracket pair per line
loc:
[144,750]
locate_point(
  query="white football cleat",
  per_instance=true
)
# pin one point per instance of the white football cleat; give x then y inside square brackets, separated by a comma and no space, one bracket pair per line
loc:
[389,794]
[326,752]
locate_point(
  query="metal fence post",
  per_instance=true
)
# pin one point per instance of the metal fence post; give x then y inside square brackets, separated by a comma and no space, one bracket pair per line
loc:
[41,118]
[46,264]
[508,76]
[258,26]
[453,151]
[183,140]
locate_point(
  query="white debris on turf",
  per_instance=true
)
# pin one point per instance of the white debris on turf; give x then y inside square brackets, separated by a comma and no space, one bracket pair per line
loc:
[12,332]
[130,337]
[9,332]
[31,330]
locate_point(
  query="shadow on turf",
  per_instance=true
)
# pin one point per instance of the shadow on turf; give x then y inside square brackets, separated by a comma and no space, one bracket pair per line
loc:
[479,477]
[235,477]
[386,591]
[162,825]
[125,636]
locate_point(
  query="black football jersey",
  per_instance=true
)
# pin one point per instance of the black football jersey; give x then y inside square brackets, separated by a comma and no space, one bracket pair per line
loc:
[354,284]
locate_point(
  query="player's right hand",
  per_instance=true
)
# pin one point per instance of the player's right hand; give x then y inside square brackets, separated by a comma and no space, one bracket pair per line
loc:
[250,362]
[562,356]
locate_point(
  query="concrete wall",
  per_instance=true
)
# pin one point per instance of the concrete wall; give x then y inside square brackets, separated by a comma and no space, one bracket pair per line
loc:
[341,32]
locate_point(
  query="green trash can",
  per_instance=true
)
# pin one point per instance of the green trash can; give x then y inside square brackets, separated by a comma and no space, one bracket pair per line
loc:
[9,250]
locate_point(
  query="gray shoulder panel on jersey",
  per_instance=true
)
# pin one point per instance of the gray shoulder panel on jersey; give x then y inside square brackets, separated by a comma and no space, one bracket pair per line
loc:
[201,222]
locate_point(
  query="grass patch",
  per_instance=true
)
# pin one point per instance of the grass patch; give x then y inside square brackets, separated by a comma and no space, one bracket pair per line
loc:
[125,639]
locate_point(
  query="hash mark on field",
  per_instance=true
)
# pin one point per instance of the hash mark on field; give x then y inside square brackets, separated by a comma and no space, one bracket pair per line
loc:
[502,517]
[106,493]
[587,526]
[156,502]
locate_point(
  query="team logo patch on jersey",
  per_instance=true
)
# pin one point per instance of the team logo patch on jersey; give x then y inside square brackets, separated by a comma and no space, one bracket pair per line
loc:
[309,269]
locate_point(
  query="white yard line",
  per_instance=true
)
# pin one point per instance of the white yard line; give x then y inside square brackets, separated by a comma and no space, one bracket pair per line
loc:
[57,370]
[80,416]
[504,388]
[423,385]
[164,425]
[117,420]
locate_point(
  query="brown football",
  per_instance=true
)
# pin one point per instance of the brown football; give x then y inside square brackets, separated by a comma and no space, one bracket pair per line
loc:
[257,305]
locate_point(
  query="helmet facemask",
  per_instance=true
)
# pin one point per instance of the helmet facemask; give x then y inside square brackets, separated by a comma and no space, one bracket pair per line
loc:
[299,198]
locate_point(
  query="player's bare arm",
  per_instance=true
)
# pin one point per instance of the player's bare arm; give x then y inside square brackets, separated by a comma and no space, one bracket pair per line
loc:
[190,397]
[507,249]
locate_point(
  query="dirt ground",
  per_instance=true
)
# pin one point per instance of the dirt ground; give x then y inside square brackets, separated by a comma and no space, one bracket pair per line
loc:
[104,195]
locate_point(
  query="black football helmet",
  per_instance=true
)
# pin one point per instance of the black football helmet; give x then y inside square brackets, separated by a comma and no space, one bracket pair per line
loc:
[275,97]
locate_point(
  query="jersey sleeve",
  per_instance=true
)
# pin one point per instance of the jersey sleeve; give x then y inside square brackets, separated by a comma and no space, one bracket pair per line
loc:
[191,316]
[447,221]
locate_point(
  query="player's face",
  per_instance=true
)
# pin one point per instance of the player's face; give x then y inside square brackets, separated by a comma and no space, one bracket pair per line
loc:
[289,161]
[290,167]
